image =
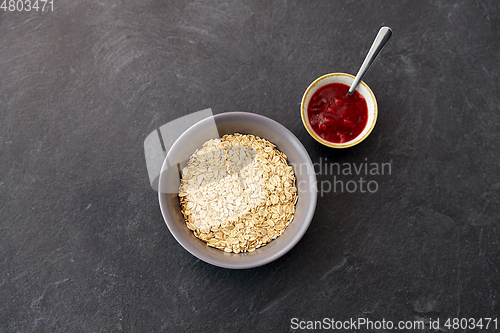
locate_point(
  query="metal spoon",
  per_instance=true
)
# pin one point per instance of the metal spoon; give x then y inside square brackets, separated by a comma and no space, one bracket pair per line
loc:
[378,44]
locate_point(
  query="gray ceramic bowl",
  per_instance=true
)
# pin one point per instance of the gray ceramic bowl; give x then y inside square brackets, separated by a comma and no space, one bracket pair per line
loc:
[245,123]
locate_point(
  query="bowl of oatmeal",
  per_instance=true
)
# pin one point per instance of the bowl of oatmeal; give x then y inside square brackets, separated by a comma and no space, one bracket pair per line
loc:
[237,190]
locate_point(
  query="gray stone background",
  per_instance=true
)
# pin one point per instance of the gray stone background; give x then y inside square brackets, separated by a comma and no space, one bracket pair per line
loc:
[83,247]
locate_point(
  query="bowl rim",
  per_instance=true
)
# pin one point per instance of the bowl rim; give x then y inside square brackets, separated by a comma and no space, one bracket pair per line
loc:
[265,259]
[303,111]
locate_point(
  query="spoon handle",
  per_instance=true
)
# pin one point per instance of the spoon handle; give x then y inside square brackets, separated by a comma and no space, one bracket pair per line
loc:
[378,44]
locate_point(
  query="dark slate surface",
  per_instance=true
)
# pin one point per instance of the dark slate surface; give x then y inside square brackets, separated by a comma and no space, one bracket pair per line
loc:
[83,247]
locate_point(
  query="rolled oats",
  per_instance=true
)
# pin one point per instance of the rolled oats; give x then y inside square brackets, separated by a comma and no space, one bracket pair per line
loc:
[238,193]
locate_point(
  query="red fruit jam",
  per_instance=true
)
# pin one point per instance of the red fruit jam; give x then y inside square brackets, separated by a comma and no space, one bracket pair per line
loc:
[336,116]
